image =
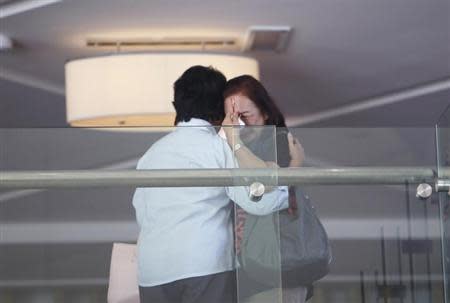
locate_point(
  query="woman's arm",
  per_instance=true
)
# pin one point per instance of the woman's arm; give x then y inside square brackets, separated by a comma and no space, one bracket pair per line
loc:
[245,157]
[297,156]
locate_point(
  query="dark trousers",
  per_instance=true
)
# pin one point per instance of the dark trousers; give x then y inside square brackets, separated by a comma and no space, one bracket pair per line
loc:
[217,288]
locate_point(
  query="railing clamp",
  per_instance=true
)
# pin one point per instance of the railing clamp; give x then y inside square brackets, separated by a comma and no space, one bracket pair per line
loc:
[443,185]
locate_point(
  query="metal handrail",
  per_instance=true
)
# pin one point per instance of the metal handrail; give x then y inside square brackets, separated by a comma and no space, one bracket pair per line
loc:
[219,177]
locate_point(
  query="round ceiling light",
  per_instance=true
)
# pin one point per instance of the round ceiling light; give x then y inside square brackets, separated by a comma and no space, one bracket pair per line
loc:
[136,89]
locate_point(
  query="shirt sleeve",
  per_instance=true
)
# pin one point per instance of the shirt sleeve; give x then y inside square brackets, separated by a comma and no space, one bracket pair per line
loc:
[139,205]
[139,198]
[269,203]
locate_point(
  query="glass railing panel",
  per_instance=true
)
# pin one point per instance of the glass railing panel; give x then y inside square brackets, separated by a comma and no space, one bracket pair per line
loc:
[258,269]
[57,240]
[385,241]
[56,243]
[443,144]
[443,157]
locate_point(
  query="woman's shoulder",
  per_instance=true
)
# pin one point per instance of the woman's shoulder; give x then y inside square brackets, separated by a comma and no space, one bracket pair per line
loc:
[283,156]
[282,135]
[282,131]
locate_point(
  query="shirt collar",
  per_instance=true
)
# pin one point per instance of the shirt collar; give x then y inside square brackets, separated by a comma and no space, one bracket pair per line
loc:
[194,122]
[198,124]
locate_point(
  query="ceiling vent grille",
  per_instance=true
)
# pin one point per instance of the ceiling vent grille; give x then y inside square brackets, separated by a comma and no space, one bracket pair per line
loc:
[256,38]
[164,44]
[267,38]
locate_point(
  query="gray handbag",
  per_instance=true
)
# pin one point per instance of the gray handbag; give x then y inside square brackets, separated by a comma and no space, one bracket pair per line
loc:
[302,240]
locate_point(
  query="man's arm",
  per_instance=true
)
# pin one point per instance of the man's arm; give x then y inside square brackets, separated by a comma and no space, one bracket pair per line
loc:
[269,203]
[272,201]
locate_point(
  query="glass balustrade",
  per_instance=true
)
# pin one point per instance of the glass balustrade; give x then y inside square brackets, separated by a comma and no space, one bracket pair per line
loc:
[443,157]
[60,218]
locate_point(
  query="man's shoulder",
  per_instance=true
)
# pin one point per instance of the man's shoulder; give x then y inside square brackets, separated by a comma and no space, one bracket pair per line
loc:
[186,144]
[156,148]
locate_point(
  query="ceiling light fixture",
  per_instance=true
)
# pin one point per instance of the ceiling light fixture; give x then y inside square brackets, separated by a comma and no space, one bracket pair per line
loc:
[136,89]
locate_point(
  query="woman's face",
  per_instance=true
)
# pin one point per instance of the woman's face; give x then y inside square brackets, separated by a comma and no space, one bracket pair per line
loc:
[246,109]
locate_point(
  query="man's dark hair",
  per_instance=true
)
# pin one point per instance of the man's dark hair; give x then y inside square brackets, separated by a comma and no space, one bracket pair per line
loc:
[198,93]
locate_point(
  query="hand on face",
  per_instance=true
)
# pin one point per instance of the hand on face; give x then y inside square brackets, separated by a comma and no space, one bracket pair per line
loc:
[229,101]
[231,112]
[246,109]
[231,119]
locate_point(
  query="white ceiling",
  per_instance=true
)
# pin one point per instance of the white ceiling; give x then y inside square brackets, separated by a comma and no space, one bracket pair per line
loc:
[340,52]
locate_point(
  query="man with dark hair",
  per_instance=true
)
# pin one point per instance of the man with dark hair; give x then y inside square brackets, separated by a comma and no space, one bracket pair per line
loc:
[185,246]
[198,94]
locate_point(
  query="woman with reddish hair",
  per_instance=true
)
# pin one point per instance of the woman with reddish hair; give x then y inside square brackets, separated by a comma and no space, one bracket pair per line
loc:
[246,97]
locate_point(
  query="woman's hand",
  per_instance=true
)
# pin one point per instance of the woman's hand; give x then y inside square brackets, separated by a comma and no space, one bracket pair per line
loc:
[296,152]
[271,164]
[231,120]
[297,155]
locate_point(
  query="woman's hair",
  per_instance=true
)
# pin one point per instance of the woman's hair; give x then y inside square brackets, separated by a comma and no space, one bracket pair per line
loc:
[198,93]
[253,89]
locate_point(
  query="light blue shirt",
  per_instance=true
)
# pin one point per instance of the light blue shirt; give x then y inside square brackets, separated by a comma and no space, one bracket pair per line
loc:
[187,232]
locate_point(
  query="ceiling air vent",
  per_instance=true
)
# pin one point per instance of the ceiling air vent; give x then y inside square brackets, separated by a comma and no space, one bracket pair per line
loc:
[163,44]
[267,38]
